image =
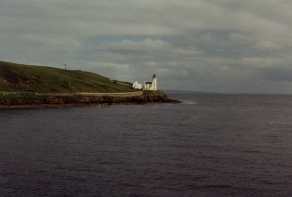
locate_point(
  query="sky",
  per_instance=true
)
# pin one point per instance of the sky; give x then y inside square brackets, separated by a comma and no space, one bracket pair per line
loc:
[228,46]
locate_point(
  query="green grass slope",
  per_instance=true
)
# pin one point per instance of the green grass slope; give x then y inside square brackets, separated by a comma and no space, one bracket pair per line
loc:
[28,78]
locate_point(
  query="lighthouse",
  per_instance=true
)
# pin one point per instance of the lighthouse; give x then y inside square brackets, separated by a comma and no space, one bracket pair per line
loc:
[154,86]
[148,85]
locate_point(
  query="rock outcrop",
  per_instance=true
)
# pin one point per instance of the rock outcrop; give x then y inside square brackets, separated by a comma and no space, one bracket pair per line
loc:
[34,99]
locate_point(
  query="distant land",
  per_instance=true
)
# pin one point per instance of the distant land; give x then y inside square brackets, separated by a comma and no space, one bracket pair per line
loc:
[32,86]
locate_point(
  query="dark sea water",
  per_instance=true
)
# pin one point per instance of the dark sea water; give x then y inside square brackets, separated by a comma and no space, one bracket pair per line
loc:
[210,145]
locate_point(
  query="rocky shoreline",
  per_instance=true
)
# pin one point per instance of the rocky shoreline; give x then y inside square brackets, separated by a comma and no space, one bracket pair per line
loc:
[35,100]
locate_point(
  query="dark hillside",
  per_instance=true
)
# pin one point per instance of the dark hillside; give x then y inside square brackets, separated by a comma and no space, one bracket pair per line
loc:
[23,78]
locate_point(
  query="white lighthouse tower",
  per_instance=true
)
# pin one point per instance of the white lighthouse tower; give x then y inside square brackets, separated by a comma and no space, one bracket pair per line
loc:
[148,85]
[154,86]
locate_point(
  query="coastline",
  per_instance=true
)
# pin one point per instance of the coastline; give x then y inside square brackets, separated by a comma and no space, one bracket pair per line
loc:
[25,100]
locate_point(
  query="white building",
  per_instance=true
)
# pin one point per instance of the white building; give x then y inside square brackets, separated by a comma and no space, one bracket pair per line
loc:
[137,85]
[148,86]
[151,86]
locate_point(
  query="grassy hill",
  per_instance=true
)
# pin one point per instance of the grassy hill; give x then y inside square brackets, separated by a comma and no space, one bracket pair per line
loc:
[28,78]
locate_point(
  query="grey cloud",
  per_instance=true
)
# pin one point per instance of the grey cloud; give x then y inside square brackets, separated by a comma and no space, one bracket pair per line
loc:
[204,45]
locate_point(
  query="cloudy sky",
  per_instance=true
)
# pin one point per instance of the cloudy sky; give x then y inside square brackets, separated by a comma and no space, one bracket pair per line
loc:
[202,45]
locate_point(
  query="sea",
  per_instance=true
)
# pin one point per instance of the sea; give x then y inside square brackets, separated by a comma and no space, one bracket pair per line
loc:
[210,145]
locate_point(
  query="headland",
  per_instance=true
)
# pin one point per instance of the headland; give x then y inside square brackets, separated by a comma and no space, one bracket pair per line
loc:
[26,86]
